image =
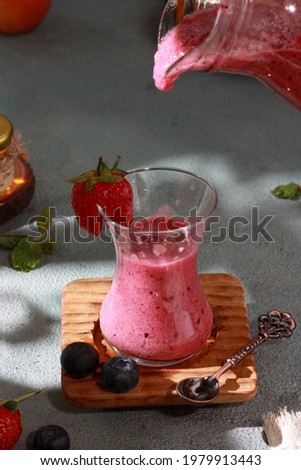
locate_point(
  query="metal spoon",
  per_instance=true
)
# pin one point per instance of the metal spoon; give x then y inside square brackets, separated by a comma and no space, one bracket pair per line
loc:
[203,390]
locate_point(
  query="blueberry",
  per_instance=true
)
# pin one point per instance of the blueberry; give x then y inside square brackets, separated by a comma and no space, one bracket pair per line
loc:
[79,359]
[119,374]
[51,437]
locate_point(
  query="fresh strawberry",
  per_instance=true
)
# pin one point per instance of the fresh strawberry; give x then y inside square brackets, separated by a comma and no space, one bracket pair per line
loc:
[109,189]
[10,421]
[10,427]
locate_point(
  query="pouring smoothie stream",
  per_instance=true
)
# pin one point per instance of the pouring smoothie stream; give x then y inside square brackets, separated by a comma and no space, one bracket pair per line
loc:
[261,38]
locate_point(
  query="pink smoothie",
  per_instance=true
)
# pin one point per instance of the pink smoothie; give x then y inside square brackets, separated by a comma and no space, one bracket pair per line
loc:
[268,47]
[156,308]
[191,32]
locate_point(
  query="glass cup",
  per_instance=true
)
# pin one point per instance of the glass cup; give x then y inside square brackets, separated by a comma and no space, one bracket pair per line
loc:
[156,310]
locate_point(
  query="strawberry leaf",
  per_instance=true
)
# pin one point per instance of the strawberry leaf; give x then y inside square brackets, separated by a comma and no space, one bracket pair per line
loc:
[11,405]
[108,179]
[105,170]
[89,184]
[102,174]
[117,170]
[115,166]
[26,255]
[82,178]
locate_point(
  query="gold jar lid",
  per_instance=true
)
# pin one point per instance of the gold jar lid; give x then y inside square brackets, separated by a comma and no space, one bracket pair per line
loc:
[6,132]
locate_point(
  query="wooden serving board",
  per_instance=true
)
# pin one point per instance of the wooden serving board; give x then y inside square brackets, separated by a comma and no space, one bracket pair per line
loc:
[81,300]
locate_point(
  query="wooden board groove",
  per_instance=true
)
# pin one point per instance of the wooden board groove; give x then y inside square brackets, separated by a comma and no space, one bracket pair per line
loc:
[81,300]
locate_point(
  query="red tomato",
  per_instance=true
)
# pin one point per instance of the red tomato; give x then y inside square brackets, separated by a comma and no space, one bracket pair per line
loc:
[20,16]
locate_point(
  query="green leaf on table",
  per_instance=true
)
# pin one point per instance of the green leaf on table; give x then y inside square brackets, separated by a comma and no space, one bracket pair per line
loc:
[26,255]
[44,222]
[287,191]
[9,241]
[49,247]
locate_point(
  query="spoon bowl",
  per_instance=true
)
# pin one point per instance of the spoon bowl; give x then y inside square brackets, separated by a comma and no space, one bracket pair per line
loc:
[198,390]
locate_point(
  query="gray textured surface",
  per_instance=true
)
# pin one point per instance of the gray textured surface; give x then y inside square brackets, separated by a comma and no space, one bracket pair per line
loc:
[81,85]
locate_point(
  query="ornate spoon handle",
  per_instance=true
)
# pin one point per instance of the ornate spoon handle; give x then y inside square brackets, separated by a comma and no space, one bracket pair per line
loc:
[273,324]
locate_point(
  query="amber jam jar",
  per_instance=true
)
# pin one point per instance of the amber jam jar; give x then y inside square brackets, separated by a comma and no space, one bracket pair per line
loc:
[16,176]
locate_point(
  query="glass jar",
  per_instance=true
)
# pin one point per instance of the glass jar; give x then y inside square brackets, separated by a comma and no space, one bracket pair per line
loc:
[7,161]
[156,310]
[16,177]
[261,38]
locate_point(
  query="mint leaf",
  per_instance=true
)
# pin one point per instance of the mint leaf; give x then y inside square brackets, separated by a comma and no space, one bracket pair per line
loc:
[287,191]
[28,250]
[44,223]
[9,240]
[26,255]
[49,247]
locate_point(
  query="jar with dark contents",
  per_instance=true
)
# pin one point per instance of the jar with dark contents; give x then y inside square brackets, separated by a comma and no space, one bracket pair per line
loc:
[7,161]
[16,176]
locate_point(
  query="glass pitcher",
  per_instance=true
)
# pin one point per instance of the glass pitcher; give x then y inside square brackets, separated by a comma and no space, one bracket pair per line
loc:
[261,38]
[156,310]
